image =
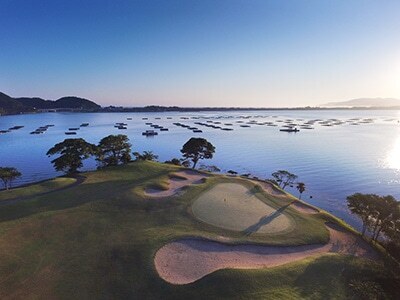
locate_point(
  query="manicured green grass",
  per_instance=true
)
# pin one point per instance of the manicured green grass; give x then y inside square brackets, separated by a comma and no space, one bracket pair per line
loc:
[303,229]
[34,189]
[233,206]
[97,240]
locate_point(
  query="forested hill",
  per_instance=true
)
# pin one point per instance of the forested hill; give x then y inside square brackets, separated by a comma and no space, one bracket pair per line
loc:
[9,105]
[64,102]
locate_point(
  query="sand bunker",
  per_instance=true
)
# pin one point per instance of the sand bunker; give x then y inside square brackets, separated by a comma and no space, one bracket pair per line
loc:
[188,260]
[269,188]
[304,208]
[234,207]
[176,182]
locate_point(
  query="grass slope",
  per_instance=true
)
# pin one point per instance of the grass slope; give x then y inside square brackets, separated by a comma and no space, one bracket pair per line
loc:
[97,240]
[39,188]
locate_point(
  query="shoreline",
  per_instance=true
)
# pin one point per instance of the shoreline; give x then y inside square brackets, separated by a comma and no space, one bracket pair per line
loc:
[163,109]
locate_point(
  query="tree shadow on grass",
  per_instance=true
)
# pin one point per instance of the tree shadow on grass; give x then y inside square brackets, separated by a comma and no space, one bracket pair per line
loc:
[264,221]
[323,276]
[330,277]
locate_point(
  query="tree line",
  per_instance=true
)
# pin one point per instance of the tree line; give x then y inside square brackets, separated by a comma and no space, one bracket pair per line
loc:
[283,178]
[116,150]
[112,150]
[380,216]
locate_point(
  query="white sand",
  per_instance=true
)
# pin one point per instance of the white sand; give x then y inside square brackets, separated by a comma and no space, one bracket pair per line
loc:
[269,188]
[304,208]
[189,260]
[175,184]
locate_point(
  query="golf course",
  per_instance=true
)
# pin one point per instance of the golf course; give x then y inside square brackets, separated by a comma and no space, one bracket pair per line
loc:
[149,230]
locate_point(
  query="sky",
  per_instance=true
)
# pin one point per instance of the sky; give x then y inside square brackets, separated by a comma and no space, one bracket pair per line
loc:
[242,53]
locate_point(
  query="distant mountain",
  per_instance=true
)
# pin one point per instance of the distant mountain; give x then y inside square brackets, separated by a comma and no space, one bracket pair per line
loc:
[9,105]
[366,102]
[64,102]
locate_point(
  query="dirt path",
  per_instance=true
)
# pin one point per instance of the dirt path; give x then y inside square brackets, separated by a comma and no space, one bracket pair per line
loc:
[176,182]
[188,260]
[79,180]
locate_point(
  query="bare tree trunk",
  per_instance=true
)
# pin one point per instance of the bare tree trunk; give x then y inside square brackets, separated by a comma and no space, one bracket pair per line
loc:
[194,164]
[375,229]
[377,234]
[364,227]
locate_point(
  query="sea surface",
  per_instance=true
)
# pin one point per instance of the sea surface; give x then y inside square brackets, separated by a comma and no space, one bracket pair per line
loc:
[361,153]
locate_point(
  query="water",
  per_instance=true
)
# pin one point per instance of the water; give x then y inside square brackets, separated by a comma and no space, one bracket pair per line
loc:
[334,162]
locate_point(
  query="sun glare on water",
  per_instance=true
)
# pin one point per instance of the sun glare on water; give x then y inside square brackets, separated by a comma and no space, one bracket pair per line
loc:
[393,157]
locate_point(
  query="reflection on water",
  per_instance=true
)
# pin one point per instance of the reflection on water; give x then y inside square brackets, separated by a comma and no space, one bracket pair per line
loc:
[393,157]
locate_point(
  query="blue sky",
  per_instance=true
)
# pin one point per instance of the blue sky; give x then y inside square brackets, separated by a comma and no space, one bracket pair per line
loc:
[201,53]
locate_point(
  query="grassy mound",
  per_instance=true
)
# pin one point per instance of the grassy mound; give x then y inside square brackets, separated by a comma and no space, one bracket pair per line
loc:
[35,189]
[235,207]
[177,177]
[97,240]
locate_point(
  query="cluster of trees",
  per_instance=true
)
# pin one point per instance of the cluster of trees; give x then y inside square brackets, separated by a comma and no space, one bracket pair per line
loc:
[8,175]
[146,155]
[111,151]
[379,215]
[284,178]
[116,149]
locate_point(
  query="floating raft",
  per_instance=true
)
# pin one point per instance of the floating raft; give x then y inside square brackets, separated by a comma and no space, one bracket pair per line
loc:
[289,130]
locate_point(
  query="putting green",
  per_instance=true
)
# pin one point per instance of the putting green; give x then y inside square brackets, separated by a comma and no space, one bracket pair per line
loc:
[233,206]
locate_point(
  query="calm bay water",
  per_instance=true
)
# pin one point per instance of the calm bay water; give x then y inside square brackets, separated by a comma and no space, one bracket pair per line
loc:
[333,161]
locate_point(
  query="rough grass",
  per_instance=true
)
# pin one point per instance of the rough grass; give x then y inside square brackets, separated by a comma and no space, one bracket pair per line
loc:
[97,241]
[325,277]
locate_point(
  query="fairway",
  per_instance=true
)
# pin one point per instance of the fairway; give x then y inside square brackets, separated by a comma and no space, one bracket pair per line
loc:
[234,207]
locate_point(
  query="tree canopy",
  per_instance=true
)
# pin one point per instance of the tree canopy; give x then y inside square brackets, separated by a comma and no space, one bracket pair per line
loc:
[196,149]
[7,175]
[146,155]
[301,187]
[284,178]
[72,153]
[173,161]
[378,213]
[114,150]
